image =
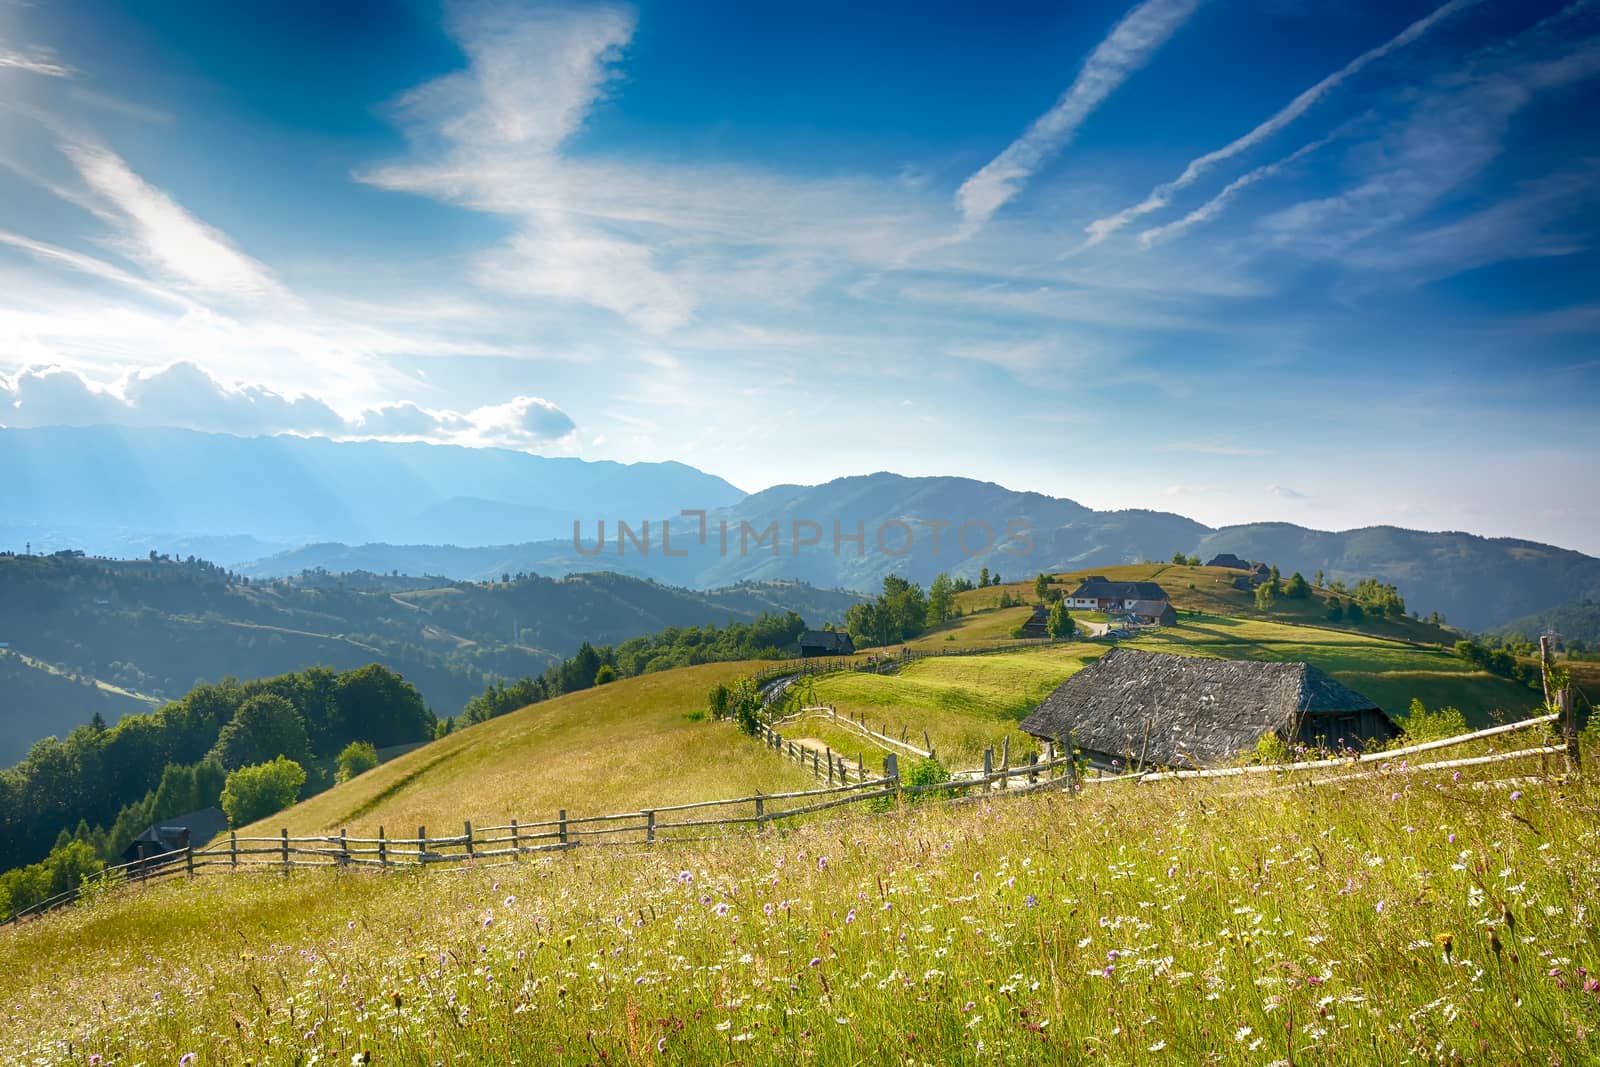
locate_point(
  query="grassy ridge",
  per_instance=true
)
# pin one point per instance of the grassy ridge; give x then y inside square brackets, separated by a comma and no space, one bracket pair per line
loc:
[594,752]
[1406,919]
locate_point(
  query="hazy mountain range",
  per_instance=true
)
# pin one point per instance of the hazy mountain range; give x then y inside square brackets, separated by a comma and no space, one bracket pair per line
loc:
[122,491]
[281,505]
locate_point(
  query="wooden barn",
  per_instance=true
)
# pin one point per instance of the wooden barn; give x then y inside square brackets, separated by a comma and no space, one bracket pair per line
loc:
[196,828]
[1037,624]
[826,643]
[1154,709]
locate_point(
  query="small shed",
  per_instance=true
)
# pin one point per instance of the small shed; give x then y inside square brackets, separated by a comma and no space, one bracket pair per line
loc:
[1229,560]
[1037,624]
[1152,612]
[826,643]
[169,835]
[1157,709]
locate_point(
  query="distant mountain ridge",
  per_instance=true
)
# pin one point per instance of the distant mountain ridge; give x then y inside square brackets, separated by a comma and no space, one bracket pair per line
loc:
[1475,582]
[280,505]
[122,491]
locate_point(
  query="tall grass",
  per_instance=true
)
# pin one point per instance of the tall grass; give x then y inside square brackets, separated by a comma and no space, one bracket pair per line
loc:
[1409,919]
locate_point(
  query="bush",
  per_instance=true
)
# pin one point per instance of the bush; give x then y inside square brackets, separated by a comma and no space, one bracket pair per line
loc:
[606,673]
[260,790]
[358,757]
[1420,724]
[718,700]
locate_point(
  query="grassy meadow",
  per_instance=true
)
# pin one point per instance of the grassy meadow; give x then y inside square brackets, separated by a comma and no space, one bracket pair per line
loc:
[636,742]
[1412,918]
[965,703]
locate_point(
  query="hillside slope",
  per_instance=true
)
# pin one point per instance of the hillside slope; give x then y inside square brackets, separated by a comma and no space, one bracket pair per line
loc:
[636,742]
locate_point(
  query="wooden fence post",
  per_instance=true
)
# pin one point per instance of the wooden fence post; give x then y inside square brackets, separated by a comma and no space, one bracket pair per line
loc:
[1005,762]
[649,826]
[1569,730]
[830,766]
[467,827]
[891,770]
[988,768]
[516,839]
[344,846]
[563,827]
[233,849]
[188,857]
[383,850]
[861,766]
[1033,773]
[284,845]
[760,814]
[422,845]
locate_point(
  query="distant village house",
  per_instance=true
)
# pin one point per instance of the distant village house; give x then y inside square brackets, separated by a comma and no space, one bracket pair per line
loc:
[1229,560]
[826,643]
[1095,593]
[1157,710]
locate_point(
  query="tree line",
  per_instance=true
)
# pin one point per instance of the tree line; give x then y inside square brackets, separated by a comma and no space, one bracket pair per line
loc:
[91,793]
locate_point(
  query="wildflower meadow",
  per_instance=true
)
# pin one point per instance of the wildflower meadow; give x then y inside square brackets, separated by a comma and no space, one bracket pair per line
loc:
[1412,918]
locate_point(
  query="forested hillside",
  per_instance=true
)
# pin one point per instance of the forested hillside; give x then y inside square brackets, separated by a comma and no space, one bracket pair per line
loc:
[160,627]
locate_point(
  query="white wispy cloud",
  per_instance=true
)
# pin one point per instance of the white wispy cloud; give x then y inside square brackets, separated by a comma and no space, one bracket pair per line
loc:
[1455,129]
[1128,48]
[1162,195]
[1214,207]
[33,60]
[151,228]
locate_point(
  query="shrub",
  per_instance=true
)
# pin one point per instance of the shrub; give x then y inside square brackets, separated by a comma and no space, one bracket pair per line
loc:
[718,700]
[1271,749]
[261,789]
[1420,724]
[606,673]
[358,757]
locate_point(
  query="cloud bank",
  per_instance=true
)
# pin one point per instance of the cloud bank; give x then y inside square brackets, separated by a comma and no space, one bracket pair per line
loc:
[183,395]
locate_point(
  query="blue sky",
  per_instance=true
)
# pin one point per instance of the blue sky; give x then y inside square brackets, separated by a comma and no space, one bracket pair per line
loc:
[1330,264]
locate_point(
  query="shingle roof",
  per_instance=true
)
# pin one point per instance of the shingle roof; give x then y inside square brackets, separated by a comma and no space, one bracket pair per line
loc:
[1100,589]
[1184,710]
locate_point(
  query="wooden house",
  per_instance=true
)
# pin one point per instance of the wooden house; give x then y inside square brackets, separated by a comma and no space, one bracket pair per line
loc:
[826,643]
[1154,709]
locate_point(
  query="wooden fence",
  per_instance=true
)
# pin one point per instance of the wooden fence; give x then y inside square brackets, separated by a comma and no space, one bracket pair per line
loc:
[716,818]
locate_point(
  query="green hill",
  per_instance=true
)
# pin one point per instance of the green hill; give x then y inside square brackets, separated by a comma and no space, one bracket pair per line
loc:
[635,742]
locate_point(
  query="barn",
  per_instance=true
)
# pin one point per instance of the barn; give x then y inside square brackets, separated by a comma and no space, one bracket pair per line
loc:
[1155,709]
[826,643]
[179,832]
